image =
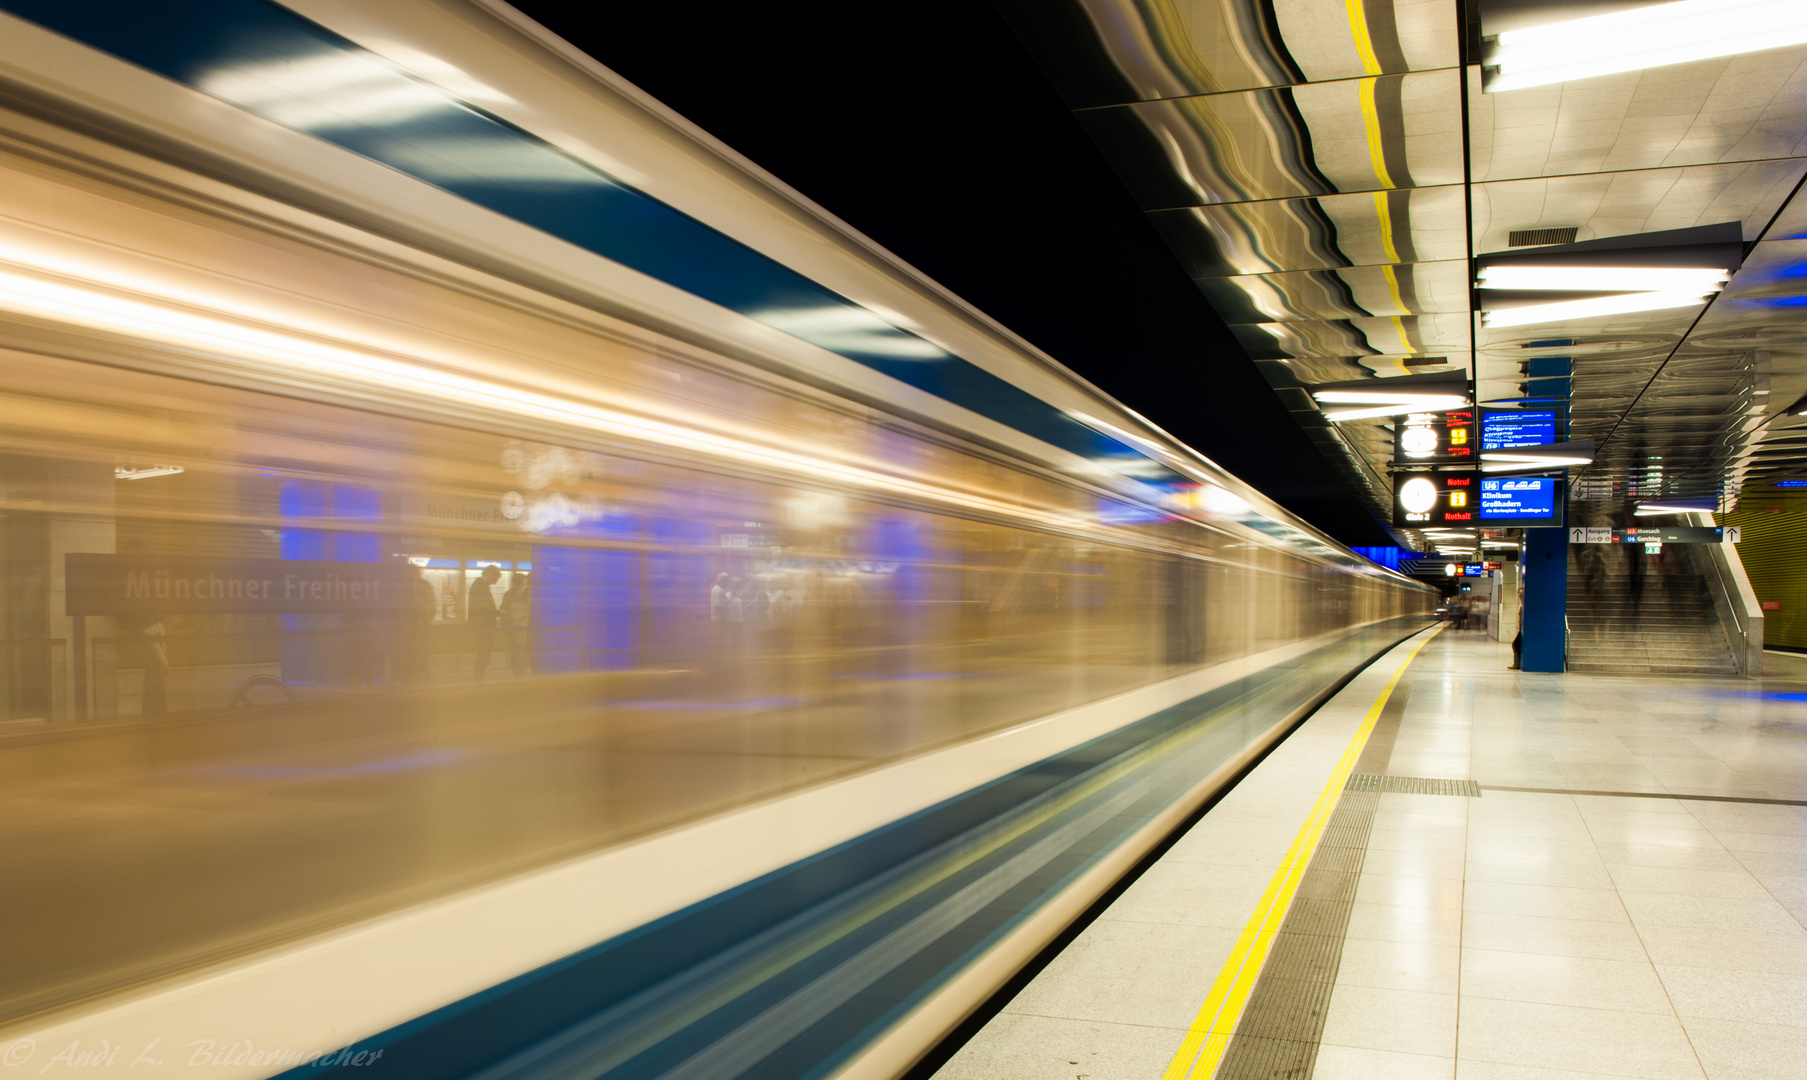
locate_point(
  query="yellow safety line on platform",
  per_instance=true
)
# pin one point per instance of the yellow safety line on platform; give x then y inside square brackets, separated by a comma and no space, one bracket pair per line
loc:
[1210,1033]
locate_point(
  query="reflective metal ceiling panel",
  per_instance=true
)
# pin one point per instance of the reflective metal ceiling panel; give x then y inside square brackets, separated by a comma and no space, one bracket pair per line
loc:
[1306,161]
[1172,48]
[1369,229]
[1351,292]
[1375,134]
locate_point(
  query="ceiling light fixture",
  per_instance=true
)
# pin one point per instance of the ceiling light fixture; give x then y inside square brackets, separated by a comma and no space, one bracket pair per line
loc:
[1676,279]
[1396,396]
[1698,507]
[1384,404]
[1593,307]
[1644,37]
[1567,455]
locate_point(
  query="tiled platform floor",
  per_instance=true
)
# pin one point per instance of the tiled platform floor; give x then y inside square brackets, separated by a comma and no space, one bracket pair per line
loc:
[1522,935]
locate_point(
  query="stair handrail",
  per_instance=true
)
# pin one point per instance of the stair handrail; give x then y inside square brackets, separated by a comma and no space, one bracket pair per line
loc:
[1739,610]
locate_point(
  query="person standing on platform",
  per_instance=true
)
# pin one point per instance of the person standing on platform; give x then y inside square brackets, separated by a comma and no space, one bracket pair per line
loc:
[481,615]
[1518,639]
[146,629]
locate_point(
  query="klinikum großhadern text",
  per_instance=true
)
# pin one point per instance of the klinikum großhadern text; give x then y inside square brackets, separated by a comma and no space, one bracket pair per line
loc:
[180,585]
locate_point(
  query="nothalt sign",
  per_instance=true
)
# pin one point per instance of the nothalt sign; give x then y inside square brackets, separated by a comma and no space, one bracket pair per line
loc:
[1435,499]
[156,585]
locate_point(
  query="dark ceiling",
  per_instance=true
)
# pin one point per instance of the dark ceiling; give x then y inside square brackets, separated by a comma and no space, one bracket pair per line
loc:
[928,127]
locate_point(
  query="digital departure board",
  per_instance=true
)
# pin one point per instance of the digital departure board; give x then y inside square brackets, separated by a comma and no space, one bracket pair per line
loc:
[1528,500]
[1510,429]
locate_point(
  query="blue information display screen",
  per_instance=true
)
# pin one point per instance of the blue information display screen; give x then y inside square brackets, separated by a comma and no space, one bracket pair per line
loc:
[1519,427]
[1525,500]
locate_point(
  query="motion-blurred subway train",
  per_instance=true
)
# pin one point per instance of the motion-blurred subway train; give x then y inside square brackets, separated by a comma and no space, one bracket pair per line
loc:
[495,584]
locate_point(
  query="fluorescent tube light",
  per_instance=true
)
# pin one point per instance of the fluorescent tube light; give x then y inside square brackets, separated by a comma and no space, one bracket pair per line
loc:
[1643,37]
[1654,508]
[1602,278]
[1565,310]
[1510,461]
[1425,402]
[1382,403]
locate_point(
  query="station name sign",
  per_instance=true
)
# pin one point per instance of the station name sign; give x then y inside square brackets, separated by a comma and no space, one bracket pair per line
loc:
[155,585]
[1667,534]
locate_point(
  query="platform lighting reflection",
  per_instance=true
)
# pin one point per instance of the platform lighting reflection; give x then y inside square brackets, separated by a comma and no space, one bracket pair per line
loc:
[1644,37]
[1383,403]
[1146,446]
[1590,308]
[121,472]
[1521,461]
[1652,509]
[1676,279]
[850,329]
[104,311]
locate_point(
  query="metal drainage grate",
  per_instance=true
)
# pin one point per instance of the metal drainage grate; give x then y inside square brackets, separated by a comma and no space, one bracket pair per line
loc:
[1412,785]
[1540,237]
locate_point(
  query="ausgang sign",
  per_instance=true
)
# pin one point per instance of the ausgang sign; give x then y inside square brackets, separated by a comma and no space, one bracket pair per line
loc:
[177,585]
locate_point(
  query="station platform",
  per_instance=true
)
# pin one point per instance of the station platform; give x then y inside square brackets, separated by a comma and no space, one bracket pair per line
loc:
[1457,870]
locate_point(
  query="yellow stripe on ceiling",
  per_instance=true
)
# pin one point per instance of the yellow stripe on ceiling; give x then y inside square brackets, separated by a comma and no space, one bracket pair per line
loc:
[1371,117]
[1364,45]
[1405,343]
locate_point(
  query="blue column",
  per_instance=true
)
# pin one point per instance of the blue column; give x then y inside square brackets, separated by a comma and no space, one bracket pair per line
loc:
[1546,579]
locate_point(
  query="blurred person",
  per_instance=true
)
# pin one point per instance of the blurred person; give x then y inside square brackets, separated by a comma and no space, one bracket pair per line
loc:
[719,595]
[777,600]
[517,622]
[736,612]
[482,616]
[145,629]
[1518,639]
[718,599]
[1637,578]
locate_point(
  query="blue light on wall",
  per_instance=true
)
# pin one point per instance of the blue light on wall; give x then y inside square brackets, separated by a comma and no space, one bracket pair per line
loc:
[317,650]
[587,600]
[1384,556]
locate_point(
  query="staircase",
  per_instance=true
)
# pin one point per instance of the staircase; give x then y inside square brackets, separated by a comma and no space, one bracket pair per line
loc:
[1668,626]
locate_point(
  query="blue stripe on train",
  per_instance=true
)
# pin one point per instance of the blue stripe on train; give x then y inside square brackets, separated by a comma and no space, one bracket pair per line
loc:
[573,1017]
